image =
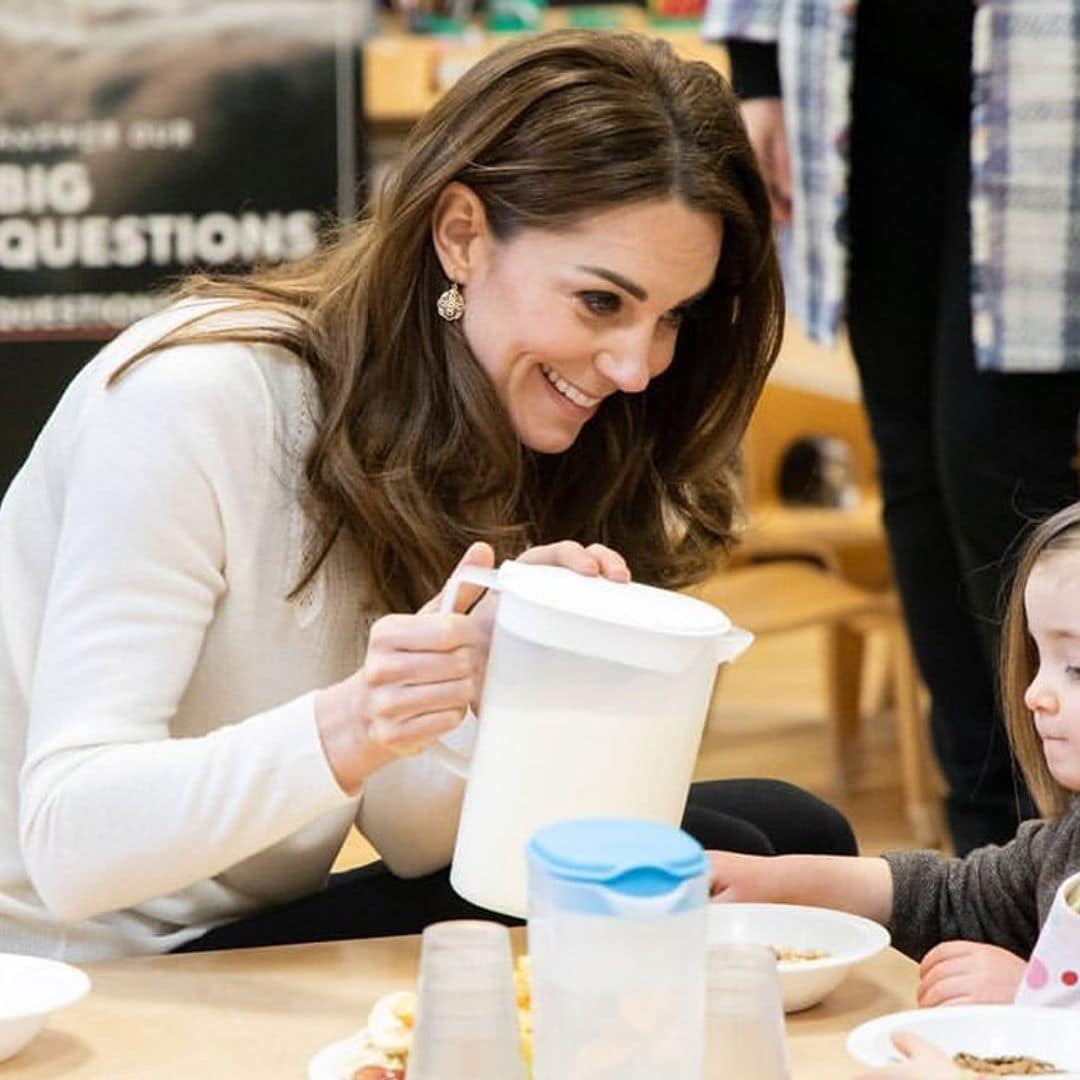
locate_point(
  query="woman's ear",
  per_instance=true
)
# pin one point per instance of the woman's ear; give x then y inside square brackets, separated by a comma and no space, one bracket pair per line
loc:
[459,231]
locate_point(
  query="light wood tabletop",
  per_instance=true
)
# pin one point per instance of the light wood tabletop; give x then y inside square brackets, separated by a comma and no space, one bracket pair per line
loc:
[261,1014]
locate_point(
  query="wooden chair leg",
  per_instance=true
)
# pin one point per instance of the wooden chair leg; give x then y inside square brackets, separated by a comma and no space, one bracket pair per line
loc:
[917,771]
[843,660]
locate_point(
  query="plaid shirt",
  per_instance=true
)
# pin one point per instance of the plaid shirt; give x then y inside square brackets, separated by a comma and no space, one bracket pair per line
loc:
[1025,157]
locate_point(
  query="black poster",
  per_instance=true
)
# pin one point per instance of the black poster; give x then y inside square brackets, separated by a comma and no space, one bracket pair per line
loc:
[140,141]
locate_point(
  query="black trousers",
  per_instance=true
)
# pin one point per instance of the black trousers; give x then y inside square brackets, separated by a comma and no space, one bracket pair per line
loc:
[762,817]
[967,457]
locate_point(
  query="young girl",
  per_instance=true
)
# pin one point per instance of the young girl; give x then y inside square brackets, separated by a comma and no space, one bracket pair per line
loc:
[973,922]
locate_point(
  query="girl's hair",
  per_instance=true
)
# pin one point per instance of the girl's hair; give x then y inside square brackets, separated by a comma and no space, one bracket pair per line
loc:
[1020,660]
[415,457]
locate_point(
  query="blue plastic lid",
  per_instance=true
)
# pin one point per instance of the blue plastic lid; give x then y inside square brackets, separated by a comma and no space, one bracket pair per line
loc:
[629,856]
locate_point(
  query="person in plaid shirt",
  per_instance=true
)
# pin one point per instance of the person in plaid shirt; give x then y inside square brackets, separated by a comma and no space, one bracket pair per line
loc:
[923,158]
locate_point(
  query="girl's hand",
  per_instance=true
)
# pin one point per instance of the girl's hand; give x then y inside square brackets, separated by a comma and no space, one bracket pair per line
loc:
[420,674]
[742,878]
[965,972]
[924,1062]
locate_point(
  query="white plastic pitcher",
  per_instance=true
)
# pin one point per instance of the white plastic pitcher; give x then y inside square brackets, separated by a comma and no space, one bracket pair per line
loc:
[593,706]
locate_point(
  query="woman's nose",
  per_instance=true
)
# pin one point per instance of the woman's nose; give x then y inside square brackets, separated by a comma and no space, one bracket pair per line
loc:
[632,356]
[625,366]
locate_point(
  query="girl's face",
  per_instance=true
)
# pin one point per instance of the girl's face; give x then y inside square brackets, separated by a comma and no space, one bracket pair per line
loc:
[1052,605]
[560,320]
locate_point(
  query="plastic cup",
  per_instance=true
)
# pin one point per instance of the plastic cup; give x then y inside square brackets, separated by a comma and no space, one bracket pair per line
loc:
[466,1016]
[744,1014]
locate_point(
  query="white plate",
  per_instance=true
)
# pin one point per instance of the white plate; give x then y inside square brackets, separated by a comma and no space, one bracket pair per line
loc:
[31,987]
[986,1030]
[848,939]
[338,1061]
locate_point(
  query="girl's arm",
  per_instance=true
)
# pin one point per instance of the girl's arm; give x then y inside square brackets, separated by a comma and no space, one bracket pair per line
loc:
[862,886]
[923,897]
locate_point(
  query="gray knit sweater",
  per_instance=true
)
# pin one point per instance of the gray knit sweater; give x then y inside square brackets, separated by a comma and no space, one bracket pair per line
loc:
[999,895]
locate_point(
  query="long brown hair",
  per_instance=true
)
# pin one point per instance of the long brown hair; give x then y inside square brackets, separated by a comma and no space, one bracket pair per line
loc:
[415,457]
[1020,660]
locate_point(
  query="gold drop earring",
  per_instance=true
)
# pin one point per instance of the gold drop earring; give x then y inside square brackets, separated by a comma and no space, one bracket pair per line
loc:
[451,304]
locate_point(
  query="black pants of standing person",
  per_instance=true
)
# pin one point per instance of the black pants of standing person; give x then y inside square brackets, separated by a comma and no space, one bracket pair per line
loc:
[758,817]
[967,457]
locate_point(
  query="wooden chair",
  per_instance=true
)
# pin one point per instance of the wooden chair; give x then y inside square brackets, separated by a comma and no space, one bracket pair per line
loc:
[850,541]
[813,566]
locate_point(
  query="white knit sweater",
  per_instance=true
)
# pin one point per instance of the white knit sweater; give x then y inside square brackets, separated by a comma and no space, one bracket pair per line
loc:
[160,768]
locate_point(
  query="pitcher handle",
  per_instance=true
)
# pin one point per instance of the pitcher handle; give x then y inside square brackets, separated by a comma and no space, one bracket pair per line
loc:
[449,758]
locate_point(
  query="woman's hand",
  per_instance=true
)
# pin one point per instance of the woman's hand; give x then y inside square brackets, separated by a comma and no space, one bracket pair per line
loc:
[764,120]
[592,561]
[423,671]
[420,674]
[924,1062]
[966,972]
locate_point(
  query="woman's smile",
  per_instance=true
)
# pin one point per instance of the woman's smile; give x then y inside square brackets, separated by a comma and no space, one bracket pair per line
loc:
[568,391]
[588,310]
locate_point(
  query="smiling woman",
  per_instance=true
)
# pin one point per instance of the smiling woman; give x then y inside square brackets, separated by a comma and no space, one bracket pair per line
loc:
[562,319]
[596,204]
[219,646]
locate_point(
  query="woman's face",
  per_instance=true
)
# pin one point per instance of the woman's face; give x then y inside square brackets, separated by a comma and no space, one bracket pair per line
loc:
[562,319]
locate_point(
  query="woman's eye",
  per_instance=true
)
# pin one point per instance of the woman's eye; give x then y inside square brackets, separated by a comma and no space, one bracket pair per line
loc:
[1072,671]
[676,317]
[601,303]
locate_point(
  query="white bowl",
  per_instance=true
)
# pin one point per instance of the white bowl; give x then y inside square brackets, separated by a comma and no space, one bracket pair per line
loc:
[986,1030]
[848,939]
[31,988]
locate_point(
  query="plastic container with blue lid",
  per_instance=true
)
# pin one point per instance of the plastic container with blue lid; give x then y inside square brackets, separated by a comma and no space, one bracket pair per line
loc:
[617,944]
[600,866]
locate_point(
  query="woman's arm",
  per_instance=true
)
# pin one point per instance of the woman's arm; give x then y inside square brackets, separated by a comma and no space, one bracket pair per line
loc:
[113,809]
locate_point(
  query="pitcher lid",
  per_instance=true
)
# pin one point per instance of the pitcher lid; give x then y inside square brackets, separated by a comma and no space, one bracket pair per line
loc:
[624,604]
[628,855]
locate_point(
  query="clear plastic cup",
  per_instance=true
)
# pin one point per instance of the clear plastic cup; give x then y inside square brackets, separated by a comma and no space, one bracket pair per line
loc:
[744,1014]
[466,1016]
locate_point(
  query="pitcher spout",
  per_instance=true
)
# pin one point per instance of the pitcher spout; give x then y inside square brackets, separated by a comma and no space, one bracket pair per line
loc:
[732,643]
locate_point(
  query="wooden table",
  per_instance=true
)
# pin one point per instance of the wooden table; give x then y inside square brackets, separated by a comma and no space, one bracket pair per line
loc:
[260,1014]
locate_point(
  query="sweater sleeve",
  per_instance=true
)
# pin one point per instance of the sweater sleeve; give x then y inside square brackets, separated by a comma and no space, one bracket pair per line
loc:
[113,809]
[991,895]
[755,68]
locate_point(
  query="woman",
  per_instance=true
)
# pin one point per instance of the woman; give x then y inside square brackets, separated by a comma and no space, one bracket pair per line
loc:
[544,343]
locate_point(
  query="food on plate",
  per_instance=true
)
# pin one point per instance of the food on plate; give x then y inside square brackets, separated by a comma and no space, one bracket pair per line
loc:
[380,1050]
[1015,1065]
[523,994]
[1073,898]
[786,954]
